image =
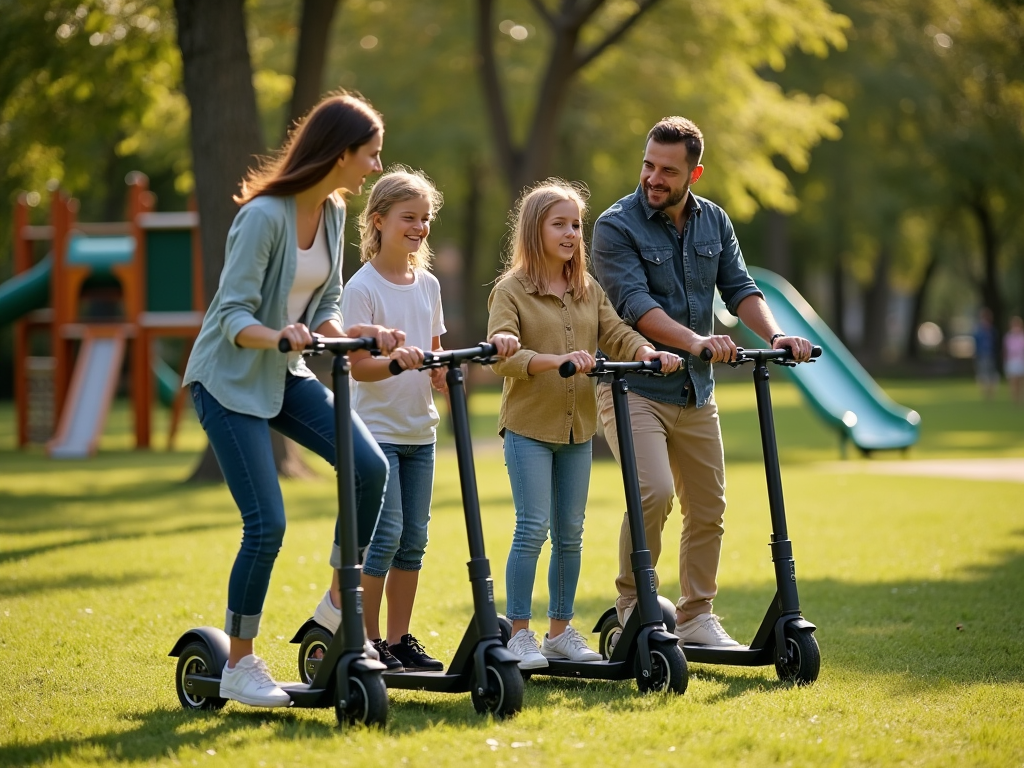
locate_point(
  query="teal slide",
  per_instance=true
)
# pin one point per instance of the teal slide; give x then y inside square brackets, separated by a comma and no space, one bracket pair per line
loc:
[836,385]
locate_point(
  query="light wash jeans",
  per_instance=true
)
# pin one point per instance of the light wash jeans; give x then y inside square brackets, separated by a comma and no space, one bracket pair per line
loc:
[400,537]
[242,445]
[549,489]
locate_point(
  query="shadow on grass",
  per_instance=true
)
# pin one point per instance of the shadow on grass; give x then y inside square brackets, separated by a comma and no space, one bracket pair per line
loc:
[22,587]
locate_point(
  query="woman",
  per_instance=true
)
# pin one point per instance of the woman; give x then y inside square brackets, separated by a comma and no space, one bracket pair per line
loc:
[282,278]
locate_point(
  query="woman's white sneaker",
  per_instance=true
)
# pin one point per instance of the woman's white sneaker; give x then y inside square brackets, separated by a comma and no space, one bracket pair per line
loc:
[524,645]
[568,645]
[250,683]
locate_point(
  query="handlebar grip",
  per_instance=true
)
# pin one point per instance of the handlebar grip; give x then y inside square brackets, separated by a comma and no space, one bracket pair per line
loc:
[283,345]
[567,369]
[395,368]
[815,351]
[706,354]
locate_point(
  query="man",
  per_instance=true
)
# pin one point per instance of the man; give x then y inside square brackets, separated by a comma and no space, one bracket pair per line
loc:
[660,253]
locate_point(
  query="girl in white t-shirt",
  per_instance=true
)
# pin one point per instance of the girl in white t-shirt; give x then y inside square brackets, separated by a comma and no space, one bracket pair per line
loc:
[399,411]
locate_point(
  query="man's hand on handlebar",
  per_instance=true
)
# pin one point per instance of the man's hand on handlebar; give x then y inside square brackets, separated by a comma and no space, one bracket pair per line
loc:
[670,362]
[723,348]
[297,335]
[798,346]
[388,339]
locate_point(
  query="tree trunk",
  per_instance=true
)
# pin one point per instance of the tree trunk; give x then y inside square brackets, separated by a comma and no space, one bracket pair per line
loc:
[991,296]
[776,251]
[225,139]
[474,326]
[314,37]
[917,309]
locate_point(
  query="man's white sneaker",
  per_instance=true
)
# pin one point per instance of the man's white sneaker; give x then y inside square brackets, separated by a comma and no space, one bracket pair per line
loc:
[524,645]
[705,629]
[250,683]
[568,645]
[329,617]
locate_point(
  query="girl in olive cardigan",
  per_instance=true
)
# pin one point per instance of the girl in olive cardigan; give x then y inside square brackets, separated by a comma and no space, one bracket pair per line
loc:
[559,313]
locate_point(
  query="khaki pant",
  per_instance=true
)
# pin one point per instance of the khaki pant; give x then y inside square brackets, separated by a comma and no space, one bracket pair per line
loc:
[678,453]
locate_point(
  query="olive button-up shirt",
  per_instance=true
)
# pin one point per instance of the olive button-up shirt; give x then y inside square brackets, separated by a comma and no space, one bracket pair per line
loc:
[545,406]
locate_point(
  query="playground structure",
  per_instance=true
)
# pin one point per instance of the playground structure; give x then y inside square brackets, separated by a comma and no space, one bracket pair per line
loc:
[838,388]
[101,289]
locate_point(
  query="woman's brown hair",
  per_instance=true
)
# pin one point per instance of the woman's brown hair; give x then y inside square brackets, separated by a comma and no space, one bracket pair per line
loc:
[526,254]
[341,121]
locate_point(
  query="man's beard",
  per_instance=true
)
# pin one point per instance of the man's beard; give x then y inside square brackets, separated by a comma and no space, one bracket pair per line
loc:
[673,198]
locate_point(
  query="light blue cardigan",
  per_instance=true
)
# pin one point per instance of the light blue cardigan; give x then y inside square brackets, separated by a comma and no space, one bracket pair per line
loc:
[259,269]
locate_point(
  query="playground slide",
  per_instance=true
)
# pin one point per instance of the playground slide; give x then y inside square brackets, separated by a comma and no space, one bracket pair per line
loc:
[26,292]
[836,385]
[93,385]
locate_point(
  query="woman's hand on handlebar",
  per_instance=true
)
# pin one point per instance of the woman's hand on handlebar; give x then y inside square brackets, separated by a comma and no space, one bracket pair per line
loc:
[506,343]
[670,362]
[388,339]
[798,346]
[581,358]
[723,348]
[409,358]
[297,335]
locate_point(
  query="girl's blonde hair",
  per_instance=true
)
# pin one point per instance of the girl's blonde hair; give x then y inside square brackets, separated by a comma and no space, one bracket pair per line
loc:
[398,184]
[526,254]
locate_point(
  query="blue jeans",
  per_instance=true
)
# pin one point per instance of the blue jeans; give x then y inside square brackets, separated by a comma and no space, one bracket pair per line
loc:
[549,489]
[242,446]
[400,537]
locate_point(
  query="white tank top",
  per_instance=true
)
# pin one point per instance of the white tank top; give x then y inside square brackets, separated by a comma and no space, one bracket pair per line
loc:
[311,269]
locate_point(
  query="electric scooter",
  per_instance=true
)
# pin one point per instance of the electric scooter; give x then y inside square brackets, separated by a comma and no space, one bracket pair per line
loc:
[345,677]
[785,637]
[645,649]
[482,664]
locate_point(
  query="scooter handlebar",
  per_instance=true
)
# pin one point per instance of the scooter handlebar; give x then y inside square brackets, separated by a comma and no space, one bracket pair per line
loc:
[568,368]
[482,353]
[338,346]
[775,355]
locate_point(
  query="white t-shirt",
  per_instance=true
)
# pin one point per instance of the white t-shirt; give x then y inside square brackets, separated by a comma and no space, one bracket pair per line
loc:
[399,409]
[312,267]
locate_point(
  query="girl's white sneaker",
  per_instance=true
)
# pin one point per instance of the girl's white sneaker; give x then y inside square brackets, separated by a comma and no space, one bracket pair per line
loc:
[568,645]
[250,683]
[524,645]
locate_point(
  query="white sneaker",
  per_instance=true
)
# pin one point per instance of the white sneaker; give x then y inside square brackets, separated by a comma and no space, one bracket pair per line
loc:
[705,629]
[568,645]
[524,645]
[250,683]
[329,617]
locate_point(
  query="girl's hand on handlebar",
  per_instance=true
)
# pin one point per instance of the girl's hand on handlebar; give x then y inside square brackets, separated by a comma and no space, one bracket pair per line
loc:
[799,347]
[583,360]
[670,362]
[506,343]
[297,335]
[388,339]
[409,358]
[723,348]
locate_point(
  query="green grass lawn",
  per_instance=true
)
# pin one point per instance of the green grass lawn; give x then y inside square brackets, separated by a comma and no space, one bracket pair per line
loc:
[915,585]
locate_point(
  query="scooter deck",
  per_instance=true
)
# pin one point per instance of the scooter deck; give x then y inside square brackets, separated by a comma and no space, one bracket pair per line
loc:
[438,682]
[301,693]
[592,670]
[733,655]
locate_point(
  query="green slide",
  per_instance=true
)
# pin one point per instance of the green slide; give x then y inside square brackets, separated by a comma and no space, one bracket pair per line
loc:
[836,385]
[25,292]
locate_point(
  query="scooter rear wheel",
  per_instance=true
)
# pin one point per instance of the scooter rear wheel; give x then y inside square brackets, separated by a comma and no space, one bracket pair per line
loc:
[804,658]
[502,693]
[668,670]
[196,659]
[312,648]
[367,701]
[610,632]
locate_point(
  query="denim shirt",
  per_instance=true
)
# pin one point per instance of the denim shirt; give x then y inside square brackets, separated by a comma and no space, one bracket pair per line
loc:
[642,263]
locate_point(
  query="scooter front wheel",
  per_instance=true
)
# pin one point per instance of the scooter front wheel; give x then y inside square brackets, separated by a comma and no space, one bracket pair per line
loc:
[803,658]
[311,650]
[502,693]
[668,670]
[367,701]
[195,659]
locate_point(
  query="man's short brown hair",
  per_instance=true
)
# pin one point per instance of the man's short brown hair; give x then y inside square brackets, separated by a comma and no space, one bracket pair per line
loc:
[679,130]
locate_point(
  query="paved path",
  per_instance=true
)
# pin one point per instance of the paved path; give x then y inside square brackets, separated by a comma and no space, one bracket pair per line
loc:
[1003,470]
